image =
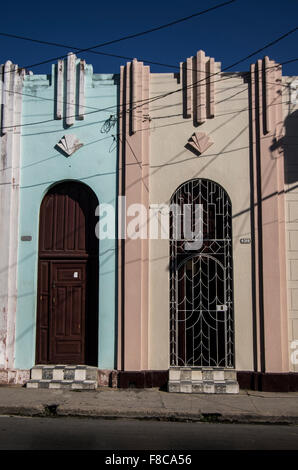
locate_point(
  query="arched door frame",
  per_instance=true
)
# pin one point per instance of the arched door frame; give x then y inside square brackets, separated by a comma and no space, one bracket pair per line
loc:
[212,293]
[67,276]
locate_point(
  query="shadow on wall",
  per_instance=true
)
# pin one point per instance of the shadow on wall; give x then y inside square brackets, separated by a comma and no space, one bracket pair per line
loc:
[290,144]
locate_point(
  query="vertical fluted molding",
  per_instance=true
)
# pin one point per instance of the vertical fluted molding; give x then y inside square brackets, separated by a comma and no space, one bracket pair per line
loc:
[198,90]
[145,200]
[82,68]
[71,89]
[201,84]
[266,72]
[133,275]
[121,218]
[210,88]
[269,217]
[134,68]
[59,92]
[11,102]
[8,96]
[189,84]
[258,353]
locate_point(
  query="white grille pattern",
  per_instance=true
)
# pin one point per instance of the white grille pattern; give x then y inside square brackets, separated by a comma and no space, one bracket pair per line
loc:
[201,283]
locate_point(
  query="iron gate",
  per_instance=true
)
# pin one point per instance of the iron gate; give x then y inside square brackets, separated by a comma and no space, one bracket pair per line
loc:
[201,282]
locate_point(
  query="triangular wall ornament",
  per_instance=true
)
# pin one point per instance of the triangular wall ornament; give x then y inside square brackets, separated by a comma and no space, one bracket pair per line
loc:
[69,144]
[199,142]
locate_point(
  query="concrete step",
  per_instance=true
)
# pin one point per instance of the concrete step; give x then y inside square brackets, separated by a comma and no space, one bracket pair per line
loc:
[65,384]
[63,372]
[63,376]
[202,380]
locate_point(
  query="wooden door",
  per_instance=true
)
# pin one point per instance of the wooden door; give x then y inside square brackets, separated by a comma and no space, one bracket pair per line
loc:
[67,307]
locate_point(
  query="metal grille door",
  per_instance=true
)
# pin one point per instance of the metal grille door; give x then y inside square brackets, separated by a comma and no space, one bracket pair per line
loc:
[201,297]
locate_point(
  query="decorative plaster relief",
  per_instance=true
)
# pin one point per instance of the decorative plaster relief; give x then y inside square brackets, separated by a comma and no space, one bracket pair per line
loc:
[198,90]
[69,144]
[199,142]
[70,89]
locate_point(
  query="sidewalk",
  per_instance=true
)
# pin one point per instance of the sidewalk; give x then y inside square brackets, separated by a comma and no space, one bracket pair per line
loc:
[247,407]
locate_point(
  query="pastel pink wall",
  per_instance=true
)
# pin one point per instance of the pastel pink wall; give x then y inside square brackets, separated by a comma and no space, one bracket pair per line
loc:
[268,206]
[134,184]
[269,217]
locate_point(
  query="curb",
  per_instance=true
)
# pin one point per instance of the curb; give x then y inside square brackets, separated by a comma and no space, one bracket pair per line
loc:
[56,411]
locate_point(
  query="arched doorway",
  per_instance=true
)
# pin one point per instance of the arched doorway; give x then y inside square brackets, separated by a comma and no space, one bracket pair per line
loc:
[201,280]
[67,296]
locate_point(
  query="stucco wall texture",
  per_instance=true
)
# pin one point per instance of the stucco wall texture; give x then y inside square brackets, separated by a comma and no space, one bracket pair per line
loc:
[226,162]
[42,165]
[144,155]
[290,114]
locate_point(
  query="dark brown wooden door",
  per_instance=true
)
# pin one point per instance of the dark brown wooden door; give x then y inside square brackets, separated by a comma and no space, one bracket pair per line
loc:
[68,304]
[67,308]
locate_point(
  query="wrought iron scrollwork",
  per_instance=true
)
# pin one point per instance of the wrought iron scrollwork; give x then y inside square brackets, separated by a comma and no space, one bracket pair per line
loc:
[201,281]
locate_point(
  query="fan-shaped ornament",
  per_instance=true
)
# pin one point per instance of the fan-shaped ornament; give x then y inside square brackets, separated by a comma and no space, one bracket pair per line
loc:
[69,144]
[199,142]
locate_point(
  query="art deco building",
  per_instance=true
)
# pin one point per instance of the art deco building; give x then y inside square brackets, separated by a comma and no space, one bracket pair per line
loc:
[209,311]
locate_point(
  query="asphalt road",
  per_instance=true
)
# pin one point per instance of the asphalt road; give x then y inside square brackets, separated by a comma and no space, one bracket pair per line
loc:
[19,433]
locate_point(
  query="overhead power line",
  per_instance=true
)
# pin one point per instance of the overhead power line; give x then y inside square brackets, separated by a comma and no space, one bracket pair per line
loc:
[117,56]
[130,36]
[108,108]
[146,101]
[270,44]
[77,49]
[115,117]
[149,61]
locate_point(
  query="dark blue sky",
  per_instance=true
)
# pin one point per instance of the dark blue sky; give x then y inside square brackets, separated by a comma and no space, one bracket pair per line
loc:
[227,34]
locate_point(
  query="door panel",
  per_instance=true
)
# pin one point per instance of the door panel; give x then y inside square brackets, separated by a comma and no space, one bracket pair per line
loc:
[43,304]
[67,322]
[67,222]
[67,298]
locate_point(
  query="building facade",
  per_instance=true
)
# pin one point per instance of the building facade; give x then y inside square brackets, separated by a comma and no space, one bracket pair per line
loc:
[144,299]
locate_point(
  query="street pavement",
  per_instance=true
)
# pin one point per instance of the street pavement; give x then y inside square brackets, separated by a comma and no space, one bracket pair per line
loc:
[73,434]
[247,407]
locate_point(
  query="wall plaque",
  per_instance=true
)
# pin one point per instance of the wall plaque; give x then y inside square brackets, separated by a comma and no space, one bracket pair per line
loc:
[245,241]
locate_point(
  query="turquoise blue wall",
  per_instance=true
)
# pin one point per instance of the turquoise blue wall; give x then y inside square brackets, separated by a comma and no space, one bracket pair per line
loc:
[42,166]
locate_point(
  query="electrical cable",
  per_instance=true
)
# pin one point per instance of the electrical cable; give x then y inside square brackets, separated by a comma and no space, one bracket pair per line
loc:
[135,35]
[147,101]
